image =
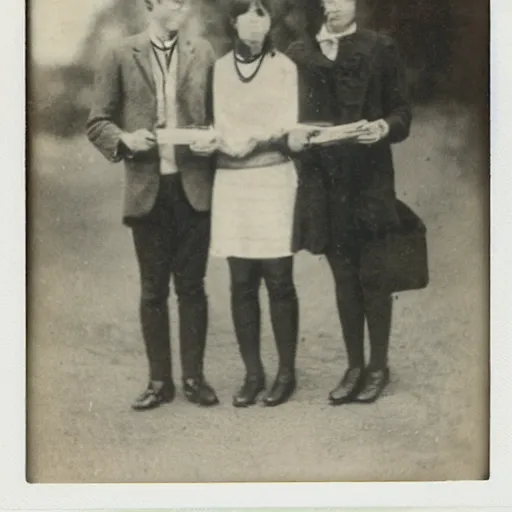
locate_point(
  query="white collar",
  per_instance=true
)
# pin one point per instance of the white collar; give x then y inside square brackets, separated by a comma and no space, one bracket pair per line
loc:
[167,45]
[326,35]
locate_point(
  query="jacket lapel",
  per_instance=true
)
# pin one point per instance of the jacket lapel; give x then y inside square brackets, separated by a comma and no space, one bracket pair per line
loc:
[186,54]
[141,54]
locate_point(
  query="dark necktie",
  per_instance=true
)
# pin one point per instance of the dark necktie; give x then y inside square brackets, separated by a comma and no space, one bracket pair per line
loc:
[166,47]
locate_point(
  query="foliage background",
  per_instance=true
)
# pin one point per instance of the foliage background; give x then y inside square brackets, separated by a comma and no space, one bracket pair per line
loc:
[444,42]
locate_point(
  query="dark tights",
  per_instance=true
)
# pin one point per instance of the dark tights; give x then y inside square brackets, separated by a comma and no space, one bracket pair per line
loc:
[357,301]
[246,276]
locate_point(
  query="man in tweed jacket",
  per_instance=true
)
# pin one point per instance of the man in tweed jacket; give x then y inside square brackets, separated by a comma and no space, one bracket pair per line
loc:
[153,80]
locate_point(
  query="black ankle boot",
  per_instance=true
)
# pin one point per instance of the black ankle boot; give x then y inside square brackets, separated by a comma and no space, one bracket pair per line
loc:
[348,388]
[281,391]
[198,391]
[156,394]
[374,384]
[248,393]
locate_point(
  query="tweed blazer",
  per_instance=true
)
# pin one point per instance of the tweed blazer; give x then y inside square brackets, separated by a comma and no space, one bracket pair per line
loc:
[124,99]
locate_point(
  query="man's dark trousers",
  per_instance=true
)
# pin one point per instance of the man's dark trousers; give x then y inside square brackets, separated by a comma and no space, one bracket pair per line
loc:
[172,241]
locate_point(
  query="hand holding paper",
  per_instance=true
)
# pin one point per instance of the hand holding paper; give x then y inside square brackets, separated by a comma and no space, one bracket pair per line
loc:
[186,136]
[340,133]
[205,148]
[205,141]
[373,132]
[138,141]
[238,147]
[300,138]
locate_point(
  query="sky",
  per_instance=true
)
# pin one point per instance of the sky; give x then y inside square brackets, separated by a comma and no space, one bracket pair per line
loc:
[59,26]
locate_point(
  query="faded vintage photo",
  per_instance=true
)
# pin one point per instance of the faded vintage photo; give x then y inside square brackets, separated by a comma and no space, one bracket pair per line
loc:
[258,241]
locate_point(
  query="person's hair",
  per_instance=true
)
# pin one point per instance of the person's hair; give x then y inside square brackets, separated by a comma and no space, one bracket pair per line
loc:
[238,7]
[314,15]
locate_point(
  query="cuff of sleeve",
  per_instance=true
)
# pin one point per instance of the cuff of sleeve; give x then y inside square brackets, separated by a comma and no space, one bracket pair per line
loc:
[383,127]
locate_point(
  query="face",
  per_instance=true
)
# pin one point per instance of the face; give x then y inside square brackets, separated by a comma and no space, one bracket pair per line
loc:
[254,25]
[170,14]
[340,13]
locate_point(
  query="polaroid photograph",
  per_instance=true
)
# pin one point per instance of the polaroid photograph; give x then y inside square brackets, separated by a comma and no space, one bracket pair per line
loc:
[258,249]
[220,306]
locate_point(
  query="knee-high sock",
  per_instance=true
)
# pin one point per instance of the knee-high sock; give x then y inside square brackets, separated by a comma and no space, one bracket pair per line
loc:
[245,310]
[284,310]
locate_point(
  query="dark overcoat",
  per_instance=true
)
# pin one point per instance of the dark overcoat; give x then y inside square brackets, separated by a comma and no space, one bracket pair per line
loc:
[366,81]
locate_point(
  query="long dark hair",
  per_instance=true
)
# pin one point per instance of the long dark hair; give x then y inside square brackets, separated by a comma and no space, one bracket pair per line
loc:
[314,16]
[236,8]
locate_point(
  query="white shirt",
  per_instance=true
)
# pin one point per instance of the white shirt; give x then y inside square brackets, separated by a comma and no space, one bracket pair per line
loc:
[329,41]
[165,80]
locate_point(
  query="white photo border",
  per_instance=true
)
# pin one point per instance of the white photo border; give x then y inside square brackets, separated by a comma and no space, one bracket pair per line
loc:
[15,493]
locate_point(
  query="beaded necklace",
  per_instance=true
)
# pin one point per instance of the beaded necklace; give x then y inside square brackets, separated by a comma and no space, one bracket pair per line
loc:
[239,59]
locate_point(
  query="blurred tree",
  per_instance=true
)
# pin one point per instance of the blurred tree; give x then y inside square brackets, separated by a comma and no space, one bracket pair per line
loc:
[57,104]
[444,42]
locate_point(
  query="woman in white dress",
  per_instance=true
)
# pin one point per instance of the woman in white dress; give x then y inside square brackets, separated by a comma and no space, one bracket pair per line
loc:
[255,110]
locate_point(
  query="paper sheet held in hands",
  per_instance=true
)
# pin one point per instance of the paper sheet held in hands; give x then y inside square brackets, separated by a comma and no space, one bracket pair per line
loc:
[339,133]
[204,135]
[185,136]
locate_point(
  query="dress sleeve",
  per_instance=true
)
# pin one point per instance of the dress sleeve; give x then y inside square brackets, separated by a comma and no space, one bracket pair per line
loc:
[396,106]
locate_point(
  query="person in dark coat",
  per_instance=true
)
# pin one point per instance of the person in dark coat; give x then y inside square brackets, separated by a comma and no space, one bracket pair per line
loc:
[349,75]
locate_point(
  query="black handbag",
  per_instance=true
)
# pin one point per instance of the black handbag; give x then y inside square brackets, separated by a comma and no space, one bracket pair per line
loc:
[398,260]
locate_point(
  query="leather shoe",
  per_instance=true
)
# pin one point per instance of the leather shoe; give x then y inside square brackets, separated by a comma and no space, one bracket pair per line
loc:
[156,394]
[248,393]
[281,391]
[374,384]
[348,388]
[198,391]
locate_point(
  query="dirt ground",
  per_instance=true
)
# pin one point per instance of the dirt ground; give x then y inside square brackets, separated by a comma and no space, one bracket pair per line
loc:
[86,360]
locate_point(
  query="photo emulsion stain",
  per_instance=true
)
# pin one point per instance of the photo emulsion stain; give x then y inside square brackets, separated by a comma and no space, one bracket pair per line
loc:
[258,240]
